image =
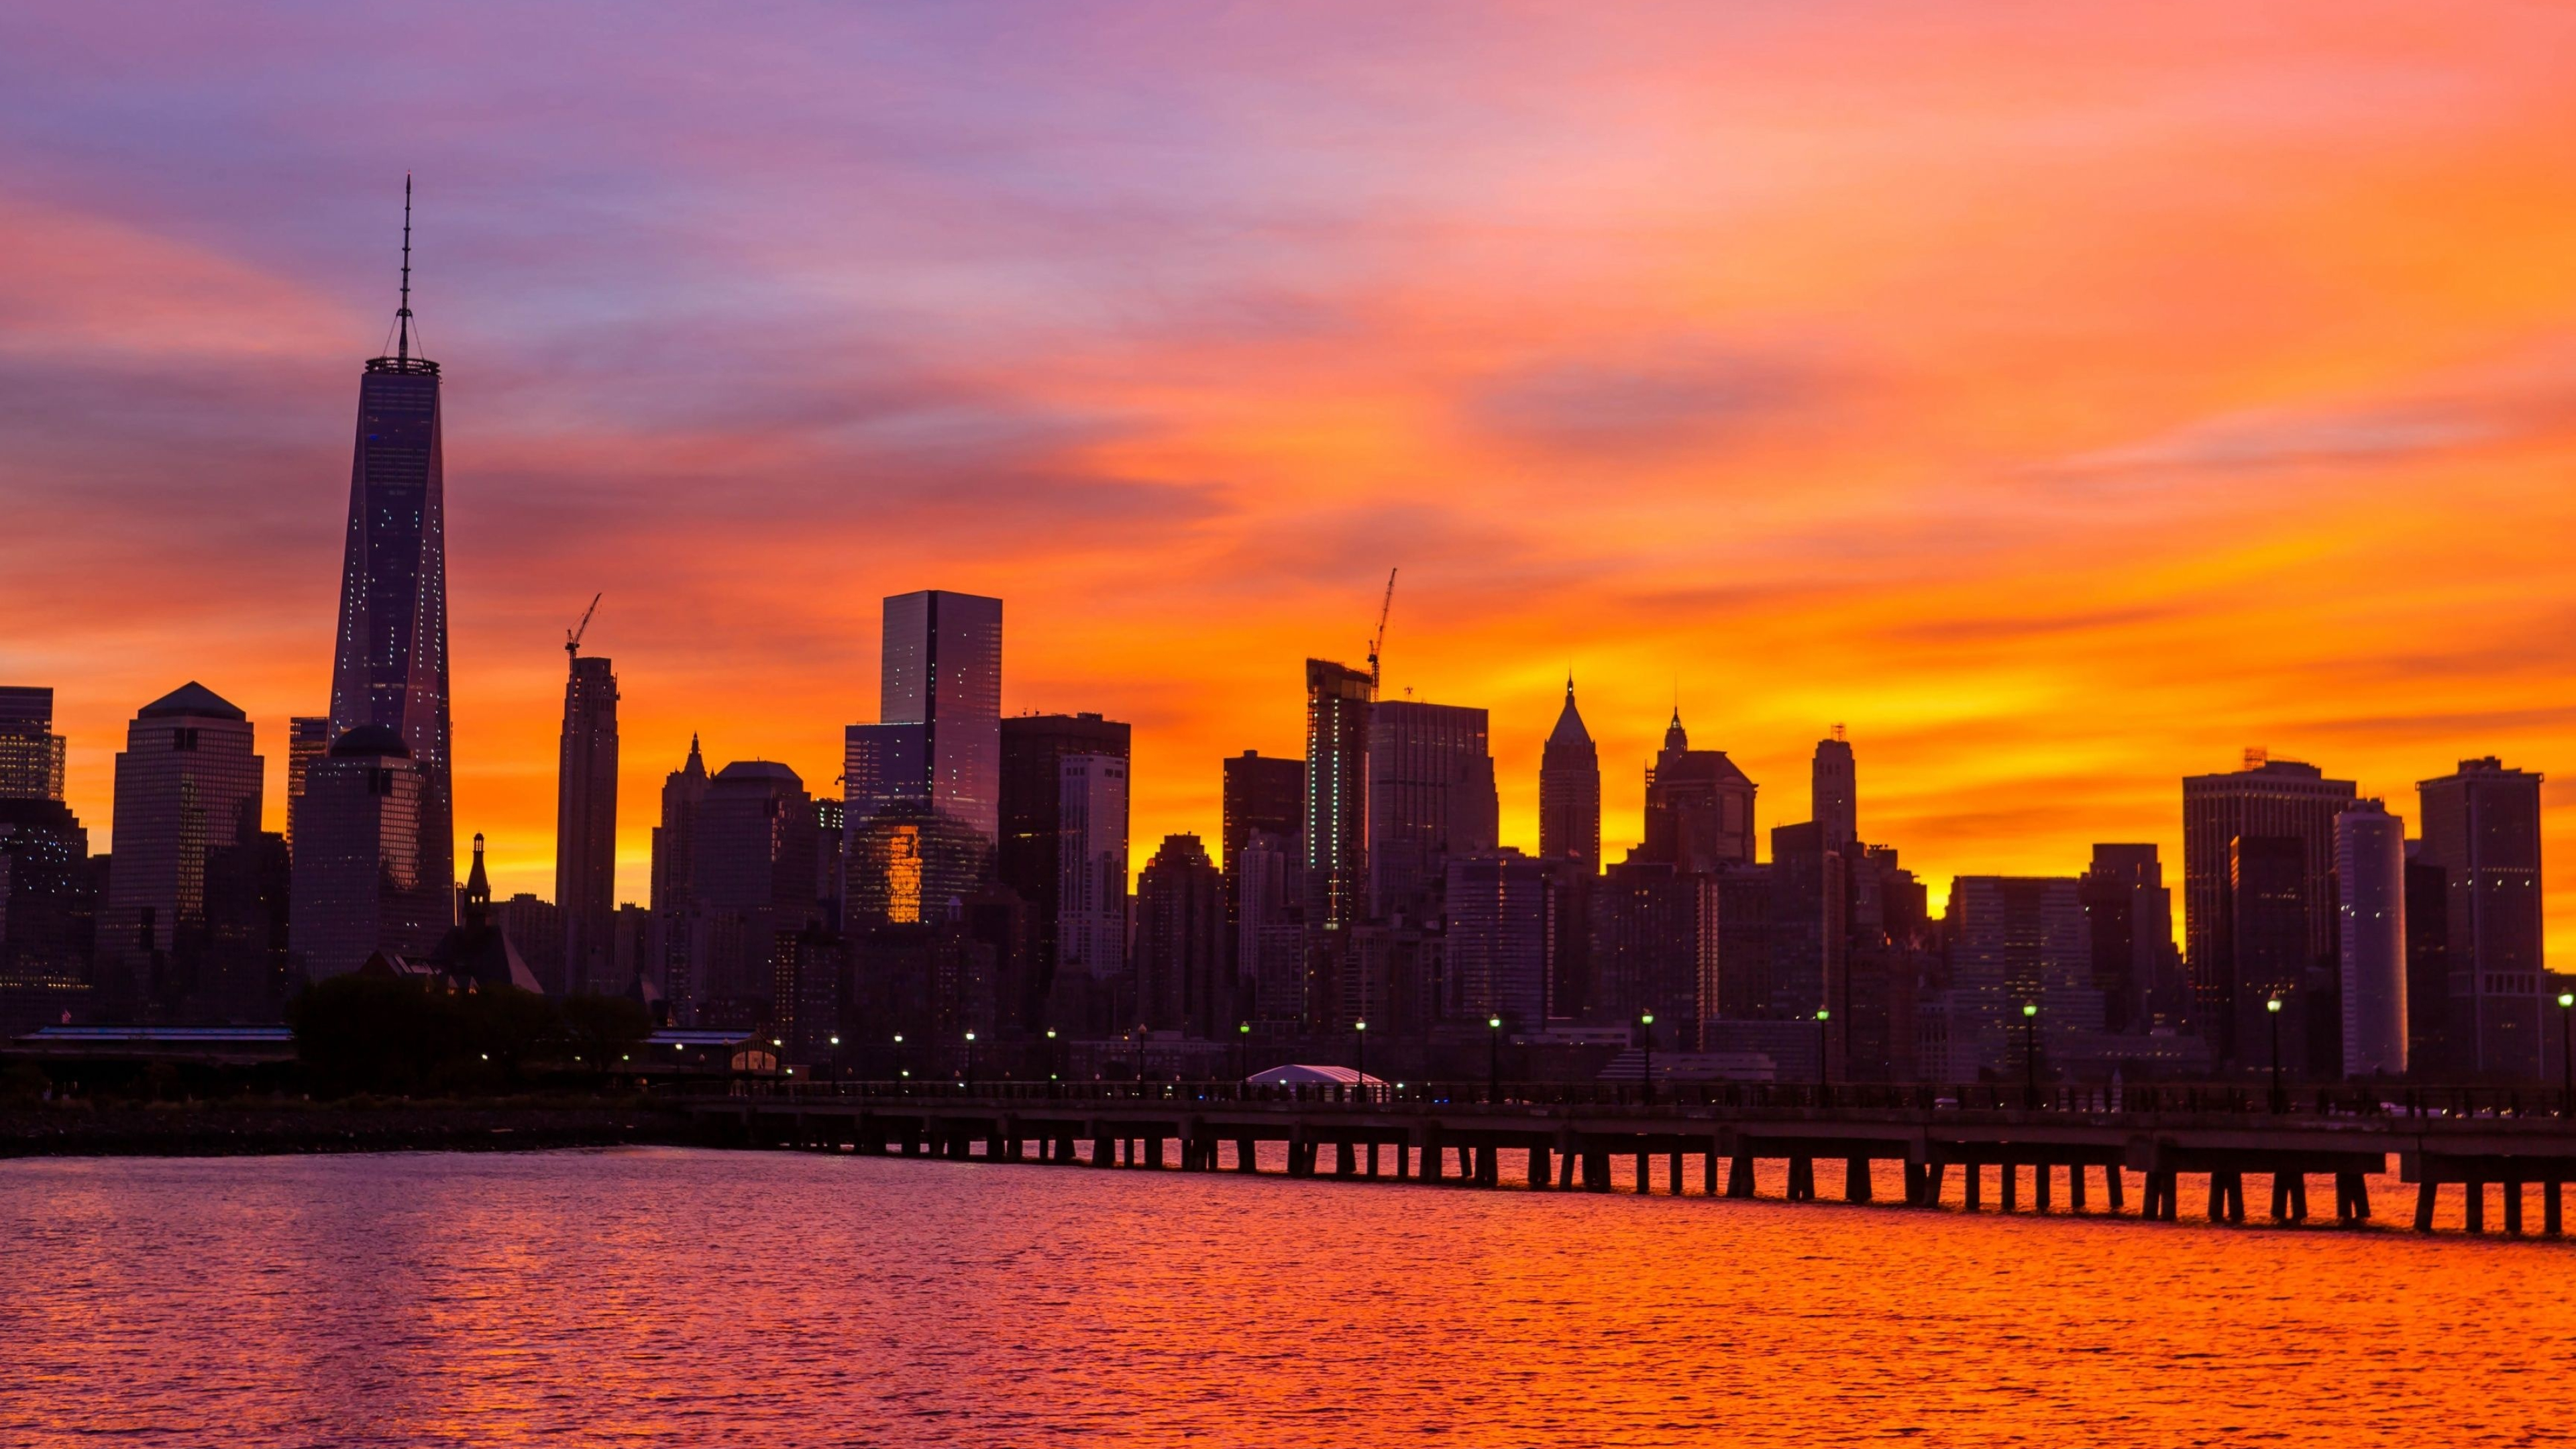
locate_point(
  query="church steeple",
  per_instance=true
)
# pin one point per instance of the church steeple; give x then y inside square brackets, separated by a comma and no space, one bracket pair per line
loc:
[478,890]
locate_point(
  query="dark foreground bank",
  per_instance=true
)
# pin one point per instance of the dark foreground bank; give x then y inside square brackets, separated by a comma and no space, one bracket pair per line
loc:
[234,1129]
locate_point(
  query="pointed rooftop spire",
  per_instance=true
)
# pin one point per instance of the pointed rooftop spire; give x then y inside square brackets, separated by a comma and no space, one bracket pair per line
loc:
[1569,722]
[402,314]
[478,888]
[1674,739]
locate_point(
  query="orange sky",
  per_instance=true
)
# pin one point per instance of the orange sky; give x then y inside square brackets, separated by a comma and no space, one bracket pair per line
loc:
[2061,397]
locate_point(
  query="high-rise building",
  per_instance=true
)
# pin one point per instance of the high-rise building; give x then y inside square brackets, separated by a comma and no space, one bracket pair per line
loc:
[2428,967]
[2016,941]
[1267,888]
[2482,827]
[1501,937]
[391,665]
[675,889]
[1699,806]
[1835,787]
[2370,880]
[360,887]
[754,877]
[942,669]
[2276,798]
[1655,930]
[1569,791]
[308,738]
[1034,748]
[31,754]
[1181,983]
[1431,798]
[586,825]
[810,978]
[187,784]
[908,863]
[1090,931]
[2267,916]
[1335,833]
[48,914]
[1808,924]
[2128,914]
[534,927]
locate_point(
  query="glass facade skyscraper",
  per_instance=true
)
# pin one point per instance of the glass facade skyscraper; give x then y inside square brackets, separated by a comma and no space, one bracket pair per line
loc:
[942,670]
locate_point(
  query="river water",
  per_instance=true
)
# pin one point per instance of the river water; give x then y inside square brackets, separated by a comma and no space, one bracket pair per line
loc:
[678,1296]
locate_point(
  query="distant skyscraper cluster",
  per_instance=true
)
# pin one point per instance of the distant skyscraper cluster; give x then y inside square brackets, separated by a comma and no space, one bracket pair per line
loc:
[969,888]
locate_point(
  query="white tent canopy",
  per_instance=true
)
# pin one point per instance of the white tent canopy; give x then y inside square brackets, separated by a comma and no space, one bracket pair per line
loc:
[1295,1075]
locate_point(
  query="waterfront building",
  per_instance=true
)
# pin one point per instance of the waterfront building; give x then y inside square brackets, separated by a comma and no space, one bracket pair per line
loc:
[360,885]
[1430,798]
[1335,835]
[2281,799]
[2016,941]
[1267,888]
[1090,928]
[188,783]
[48,914]
[673,901]
[753,876]
[586,827]
[2128,914]
[2481,826]
[1181,981]
[1029,858]
[2370,876]
[1501,937]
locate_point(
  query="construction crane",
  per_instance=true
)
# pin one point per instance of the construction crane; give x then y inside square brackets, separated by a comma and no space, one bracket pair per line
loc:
[572,636]
[1379,641]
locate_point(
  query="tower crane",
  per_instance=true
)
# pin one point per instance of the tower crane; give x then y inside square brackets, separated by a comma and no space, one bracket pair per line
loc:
[572,636]
[1378,642]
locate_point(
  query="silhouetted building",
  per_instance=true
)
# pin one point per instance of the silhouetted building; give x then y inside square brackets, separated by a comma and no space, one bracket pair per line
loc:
[1181,982]
[2267,915]
[48,914]
[810,969]
[2482,827]
[1699,806]
[2428,968]
[1336,834]
[359,884]
[535,927]
[1501,942]
[675,890]
[2370,881]
[1569,790]
[1029,858]
[2274,798]
[478,951]
[754,877]
[390,668]
[187,783]
[1741,988]
[2128,913]
[308,738]
[1268,888]
[1808,923]
[586,827]
[1431,798]
[31,754]
[2016,941]
[1090,929]
[1834,787]
[1655,942]
[942,670]
[906,863]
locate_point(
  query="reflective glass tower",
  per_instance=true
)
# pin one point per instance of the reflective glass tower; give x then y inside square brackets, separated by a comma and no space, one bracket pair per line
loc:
[391,667]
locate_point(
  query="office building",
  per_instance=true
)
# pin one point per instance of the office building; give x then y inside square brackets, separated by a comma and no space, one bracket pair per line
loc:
[1267,888]
[1655,943]
[360,886]
[1834,787]
[2481,825]
[1699,806]
[31,754]
[586,827]
[187,784]
[48,914]
[391,665]
[1569,791]
[1335,836]
[1029,857]
[2370,877]
[1501,937]
[1430,798]
[1090,929]
[2128,914]
[673,902]
[308,738]
[2282,799]
[2016,941]
[1181,981]
[2267,913]
[2428,968]
[941,669]
[753,876]
[535,929]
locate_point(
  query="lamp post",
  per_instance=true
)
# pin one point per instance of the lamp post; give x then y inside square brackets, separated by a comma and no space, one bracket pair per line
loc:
[2566,1068]
[1242,1035]
[1055,1068]
[900,1069]
[1493,1059]
[1824,1045]
[1648,1076]
[970,1062]
[836,1057]
[2030,1053]
[2272,1010]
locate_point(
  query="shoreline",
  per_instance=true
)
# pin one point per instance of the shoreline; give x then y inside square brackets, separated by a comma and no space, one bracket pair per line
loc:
[233,1129]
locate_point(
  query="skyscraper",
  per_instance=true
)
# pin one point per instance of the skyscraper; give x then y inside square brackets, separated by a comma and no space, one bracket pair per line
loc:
[1181,983]
[1569,791]
[2014,941]
[675,891]
[2280,798]
[48,913]
[359,885]
[1835,787]
[2128,914]
[2370,876]
[2482,827]
[1336,836]
[391,665]
[1034,748]
[2267,919]
[754,878]
[586,826]
[1699,806]
[187,784]
[308,738]
[1261,792]
[31,754]
[1501,937]
[941,669]
[1090,932]
[1430,799]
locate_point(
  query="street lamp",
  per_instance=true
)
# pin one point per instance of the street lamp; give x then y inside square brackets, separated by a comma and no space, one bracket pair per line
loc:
[1494,1059]
[2030,1053]
[836,1058]
[2566,1068]
[1648,1022]
[1359,1049]
[1055,1070]
[1824,1045]
[1242,1031]
[900,1069]
[970,1062]
[2272,1010]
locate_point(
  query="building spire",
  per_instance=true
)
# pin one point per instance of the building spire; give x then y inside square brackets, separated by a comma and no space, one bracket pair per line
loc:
[402,314]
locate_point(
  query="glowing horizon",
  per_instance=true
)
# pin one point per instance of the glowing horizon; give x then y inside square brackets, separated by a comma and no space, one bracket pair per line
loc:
[2062,398]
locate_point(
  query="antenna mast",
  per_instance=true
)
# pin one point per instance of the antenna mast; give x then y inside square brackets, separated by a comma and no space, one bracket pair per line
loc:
[402,314]
[572,636]
[1379,641]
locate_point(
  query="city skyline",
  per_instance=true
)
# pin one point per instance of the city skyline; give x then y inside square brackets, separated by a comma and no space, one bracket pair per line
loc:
[2103,541]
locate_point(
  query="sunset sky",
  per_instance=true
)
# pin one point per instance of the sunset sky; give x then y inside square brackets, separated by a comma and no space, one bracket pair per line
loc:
[2061,397]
